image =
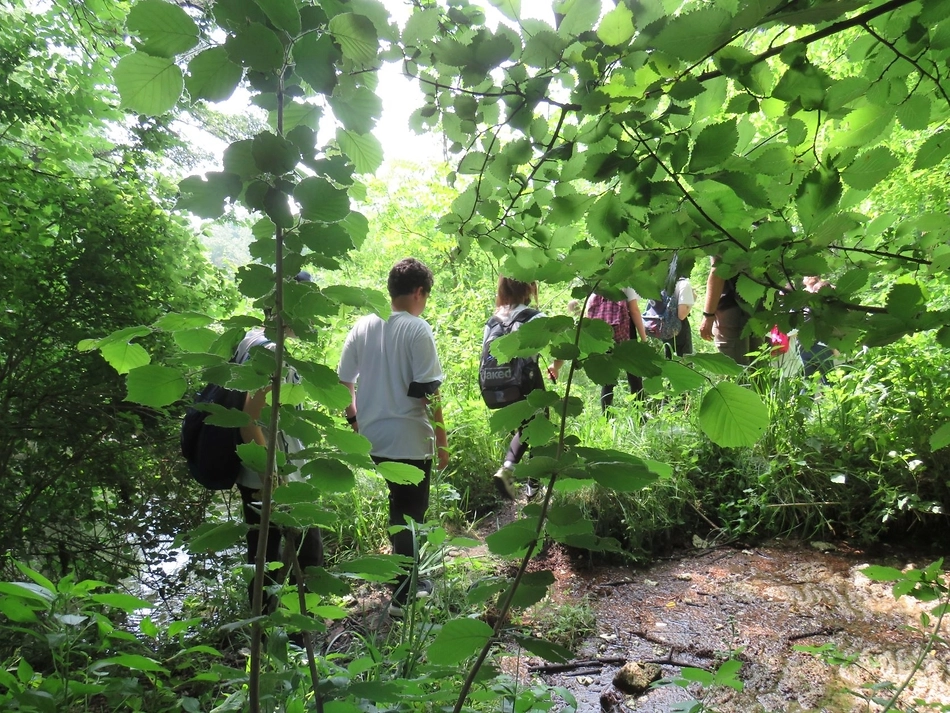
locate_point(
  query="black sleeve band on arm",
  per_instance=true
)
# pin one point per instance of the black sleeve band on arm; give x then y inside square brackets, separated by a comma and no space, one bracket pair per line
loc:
[419,391]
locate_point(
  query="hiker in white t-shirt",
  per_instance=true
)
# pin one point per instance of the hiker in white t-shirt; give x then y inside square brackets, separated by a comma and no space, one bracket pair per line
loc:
[393,373]
[682,343]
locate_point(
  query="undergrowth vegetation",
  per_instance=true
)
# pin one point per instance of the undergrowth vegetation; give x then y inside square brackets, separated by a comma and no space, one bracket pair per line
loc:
[847,457]
[784,140]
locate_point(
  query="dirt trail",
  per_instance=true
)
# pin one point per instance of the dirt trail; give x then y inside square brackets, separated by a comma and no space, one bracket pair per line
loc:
[759,603]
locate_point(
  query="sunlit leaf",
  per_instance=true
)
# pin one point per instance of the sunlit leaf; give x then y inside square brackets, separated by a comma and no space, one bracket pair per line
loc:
[512,538]
[934,150]
[864,125]
[726,675]
[211,537]
[616,27]
[940,438]
[36,577]
[126,602]
[914,112]
[320,200]
[698,675]
[16,611]
[882,574]
[28,590]
[458,640]
[364,150]
[256,46]
[212,75]
[123,357]
[870,168]
[400,473]
[733,416]
[148,85]
[154,385]
[283,14]
[166,30]
[254,456]
[134,662]
[356,36]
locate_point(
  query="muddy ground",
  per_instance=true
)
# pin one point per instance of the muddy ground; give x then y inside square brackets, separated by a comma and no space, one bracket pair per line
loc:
[757,604]
[701,606]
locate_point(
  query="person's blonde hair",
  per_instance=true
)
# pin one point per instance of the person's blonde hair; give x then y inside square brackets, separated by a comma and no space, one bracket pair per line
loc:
[514,292]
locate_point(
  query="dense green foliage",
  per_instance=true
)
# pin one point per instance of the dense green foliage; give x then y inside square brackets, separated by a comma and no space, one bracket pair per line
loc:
[788,139]
[90,244]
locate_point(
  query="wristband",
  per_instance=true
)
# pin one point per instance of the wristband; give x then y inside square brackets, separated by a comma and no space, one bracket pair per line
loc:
[709,314]
[351,419]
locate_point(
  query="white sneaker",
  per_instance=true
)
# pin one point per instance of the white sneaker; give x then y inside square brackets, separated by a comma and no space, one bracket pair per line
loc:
[531,488]
[504,483]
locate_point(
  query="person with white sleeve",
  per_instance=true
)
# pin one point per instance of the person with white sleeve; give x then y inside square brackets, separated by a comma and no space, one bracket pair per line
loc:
[393,373]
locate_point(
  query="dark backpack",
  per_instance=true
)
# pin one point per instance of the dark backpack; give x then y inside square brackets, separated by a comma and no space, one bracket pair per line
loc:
[209,450]
[661,318]
[508,383]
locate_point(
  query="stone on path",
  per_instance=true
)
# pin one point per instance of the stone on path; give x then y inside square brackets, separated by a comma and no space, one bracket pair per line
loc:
[634,678]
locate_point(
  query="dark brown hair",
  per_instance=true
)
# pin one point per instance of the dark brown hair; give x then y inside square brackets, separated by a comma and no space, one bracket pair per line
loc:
[407,276]
[514,292]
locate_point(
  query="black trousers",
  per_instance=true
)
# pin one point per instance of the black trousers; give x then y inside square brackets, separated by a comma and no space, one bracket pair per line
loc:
[407,500]
[309,543]
[682,343]
[607,391]
[634,382]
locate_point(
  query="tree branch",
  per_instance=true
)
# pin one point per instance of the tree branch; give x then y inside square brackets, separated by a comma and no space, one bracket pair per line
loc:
[686,194]
[890,45]
[881,253]
[832,29]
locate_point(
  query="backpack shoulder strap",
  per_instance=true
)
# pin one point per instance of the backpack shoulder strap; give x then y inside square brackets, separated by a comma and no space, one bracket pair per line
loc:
[524,315]
[244,348]
[671,273]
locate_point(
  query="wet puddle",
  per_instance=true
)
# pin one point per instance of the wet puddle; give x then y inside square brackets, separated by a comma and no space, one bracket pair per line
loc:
[758,604]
